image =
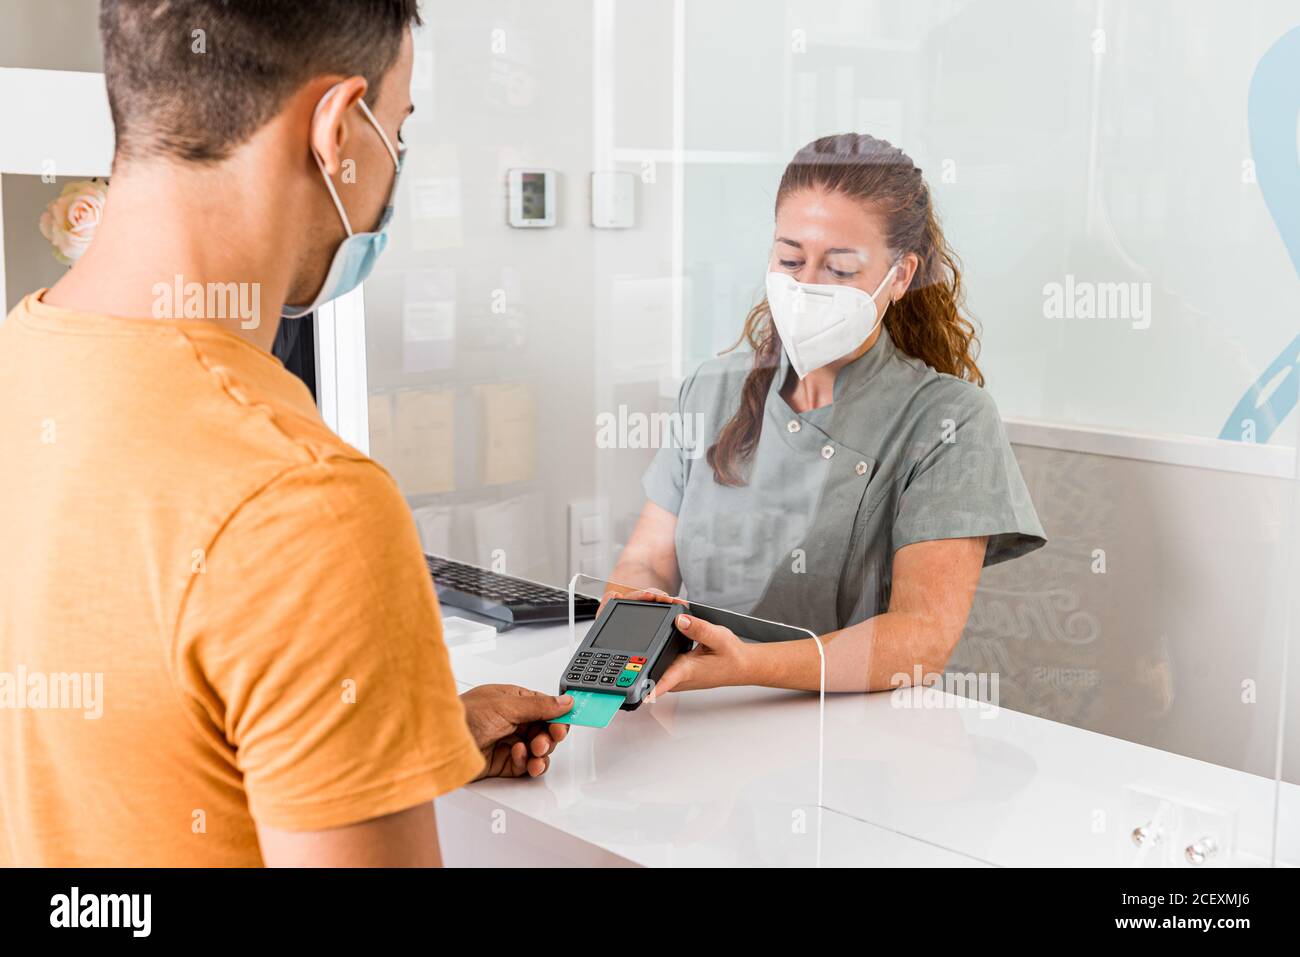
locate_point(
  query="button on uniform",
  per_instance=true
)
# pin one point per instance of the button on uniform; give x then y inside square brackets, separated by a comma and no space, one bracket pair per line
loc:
[828,451]
[792,425]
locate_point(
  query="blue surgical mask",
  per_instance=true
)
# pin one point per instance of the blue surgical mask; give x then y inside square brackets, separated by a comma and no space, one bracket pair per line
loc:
[356,255]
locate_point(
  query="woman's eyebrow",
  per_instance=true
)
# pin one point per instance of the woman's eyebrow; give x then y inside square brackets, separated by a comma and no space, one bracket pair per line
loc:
[829,252]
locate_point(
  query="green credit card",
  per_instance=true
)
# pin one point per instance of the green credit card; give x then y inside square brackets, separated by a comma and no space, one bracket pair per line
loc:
[591,708]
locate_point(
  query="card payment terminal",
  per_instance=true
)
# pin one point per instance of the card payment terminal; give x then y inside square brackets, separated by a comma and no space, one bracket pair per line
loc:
[626,649]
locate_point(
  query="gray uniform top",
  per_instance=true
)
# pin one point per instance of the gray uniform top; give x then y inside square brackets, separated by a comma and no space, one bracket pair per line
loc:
[903,454]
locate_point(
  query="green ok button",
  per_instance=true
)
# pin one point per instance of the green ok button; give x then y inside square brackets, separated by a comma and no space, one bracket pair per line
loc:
[626,678]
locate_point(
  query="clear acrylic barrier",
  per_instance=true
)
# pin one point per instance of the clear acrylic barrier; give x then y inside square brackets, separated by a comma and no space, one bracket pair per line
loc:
[1120,696]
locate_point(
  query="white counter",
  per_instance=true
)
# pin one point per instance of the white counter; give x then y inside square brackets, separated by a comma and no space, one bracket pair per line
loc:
[730,777]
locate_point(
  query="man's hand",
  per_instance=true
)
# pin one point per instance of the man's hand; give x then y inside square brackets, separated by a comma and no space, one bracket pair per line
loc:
[509,726]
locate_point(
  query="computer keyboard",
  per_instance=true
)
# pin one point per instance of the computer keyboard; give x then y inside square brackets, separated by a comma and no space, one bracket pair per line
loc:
[511,601]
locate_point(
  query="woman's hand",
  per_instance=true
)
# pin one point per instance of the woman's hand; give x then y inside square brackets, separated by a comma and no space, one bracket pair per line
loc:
[718,659]
[644,594]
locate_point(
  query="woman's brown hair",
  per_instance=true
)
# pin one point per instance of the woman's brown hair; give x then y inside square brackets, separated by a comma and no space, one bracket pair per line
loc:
[926,322]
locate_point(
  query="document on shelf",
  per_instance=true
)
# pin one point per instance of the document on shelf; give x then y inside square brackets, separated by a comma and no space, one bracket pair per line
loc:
[509,450]
[510,535]
[425,435]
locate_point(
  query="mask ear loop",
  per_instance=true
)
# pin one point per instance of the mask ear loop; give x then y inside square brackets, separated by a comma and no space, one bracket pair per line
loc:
[884,281]
[880,313]
[329,183]
[388,145]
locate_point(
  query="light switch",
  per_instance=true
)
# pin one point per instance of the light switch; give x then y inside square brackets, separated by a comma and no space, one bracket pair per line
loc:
[591,531]
[588,529]
[613,200]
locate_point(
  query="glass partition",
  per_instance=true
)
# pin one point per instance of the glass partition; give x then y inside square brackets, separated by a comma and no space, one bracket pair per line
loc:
[1117,182]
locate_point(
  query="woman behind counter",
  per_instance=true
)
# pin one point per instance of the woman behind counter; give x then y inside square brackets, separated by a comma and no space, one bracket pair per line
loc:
[857,476]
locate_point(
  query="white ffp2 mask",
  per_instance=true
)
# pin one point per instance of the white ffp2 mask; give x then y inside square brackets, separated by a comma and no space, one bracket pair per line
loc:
[819,323]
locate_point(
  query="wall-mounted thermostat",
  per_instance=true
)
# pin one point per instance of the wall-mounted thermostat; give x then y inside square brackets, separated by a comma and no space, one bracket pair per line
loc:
[532,199]
[613,200]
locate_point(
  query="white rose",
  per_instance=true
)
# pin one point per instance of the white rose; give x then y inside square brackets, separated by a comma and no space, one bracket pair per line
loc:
[69,223]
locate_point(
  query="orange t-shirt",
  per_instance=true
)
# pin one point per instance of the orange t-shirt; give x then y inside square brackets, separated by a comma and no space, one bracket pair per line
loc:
[212,610]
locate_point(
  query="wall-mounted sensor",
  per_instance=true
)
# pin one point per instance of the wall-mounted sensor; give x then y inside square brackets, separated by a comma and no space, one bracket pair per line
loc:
[613,200]
[532,200]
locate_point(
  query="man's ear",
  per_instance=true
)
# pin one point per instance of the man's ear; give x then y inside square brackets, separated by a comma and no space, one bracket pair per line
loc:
[329,126]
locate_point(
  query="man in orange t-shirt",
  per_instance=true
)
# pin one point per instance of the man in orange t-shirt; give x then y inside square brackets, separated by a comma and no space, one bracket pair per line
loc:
[219,644]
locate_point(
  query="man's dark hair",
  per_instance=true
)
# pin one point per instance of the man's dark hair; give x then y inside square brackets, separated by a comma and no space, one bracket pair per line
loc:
[193,79]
